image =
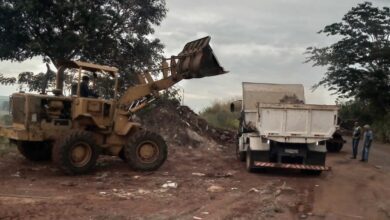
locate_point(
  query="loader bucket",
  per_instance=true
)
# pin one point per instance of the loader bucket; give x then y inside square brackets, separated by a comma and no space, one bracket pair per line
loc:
[197,60]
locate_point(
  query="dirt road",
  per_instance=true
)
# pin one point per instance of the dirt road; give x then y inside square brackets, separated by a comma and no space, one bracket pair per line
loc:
[206,182]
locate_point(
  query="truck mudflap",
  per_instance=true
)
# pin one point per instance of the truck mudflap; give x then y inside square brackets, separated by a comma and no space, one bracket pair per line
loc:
[291,166]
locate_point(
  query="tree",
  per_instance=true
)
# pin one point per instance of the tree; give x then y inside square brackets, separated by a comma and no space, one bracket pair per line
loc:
[111,32]
[358,65]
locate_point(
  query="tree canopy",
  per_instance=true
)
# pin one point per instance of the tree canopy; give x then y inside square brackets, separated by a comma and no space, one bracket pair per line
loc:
[110,32]
[358,65]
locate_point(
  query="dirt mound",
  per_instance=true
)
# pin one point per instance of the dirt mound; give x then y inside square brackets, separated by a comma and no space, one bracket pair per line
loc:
[182,126]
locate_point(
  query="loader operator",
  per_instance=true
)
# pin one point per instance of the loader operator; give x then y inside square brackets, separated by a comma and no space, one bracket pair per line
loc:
[84,88]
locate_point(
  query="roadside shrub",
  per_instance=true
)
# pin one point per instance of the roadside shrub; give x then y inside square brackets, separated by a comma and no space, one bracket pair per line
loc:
[382,128]
[5,120]
[355,110]
[219,115]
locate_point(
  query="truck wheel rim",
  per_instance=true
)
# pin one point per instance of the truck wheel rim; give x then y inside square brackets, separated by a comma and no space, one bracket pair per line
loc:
[148,152]
[81,154]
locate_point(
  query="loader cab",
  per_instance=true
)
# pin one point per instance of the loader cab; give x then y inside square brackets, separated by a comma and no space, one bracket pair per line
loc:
[93,112]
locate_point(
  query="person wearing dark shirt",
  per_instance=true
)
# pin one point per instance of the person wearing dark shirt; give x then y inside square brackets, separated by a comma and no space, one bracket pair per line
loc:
[84,88]
[355,139]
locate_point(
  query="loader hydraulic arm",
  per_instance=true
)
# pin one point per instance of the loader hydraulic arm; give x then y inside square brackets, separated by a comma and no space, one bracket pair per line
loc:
[196,60]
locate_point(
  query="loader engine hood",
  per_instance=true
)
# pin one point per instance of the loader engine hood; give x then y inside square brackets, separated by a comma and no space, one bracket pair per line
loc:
[197,60]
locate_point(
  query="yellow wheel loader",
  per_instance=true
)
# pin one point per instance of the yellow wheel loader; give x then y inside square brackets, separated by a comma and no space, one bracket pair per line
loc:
[74,130]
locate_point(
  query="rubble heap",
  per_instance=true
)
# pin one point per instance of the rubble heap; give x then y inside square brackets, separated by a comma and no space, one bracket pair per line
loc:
[180,125]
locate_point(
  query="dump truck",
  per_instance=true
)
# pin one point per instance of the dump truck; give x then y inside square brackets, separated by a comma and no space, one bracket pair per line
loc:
[73,131]
[278,130]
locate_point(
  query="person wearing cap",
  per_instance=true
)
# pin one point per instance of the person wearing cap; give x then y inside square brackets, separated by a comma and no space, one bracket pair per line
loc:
[368,137]
[355,139]
[84,88]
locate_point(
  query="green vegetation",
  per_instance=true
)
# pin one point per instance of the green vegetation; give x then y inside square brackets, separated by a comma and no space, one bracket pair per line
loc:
[219,115]
[362,112]
[5,120]
[109,32]
[358,66]
[5,147]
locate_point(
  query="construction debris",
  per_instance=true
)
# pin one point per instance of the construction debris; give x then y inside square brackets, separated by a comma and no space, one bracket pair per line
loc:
[215,189]
[170,184]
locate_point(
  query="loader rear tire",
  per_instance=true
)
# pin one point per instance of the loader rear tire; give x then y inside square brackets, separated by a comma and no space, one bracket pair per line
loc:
[76,153]
[35,150]
[145,151]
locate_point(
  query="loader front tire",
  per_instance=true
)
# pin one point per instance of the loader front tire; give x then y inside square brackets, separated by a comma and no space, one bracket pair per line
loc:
[35,150]
[76,153]
[145,151]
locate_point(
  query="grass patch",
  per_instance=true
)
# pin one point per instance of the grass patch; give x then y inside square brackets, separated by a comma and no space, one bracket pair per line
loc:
[5,146]
[219,115]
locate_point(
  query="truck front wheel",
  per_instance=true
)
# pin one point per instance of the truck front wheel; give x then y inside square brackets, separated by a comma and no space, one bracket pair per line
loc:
[35,150]
[249,160]
[241,155]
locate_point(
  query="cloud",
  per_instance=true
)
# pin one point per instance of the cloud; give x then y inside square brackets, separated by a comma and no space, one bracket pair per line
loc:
[257,41]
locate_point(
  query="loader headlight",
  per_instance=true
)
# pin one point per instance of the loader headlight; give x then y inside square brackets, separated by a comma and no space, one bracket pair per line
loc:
[317,143]
[268,141]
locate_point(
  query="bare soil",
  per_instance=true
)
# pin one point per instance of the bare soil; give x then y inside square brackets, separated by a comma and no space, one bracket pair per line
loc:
[200,180]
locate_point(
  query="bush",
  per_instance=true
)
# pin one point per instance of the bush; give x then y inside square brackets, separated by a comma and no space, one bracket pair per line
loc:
[5,120]
[382,128]
[362,112]
[219,115]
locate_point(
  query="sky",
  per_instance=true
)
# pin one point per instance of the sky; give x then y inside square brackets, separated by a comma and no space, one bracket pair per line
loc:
[255,40]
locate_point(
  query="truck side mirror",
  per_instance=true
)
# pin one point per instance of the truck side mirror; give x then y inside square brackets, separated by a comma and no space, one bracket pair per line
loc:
[232,107]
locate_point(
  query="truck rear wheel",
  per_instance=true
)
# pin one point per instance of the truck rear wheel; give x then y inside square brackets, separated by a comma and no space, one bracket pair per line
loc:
[312,172]
[315,158]
[335,144]
[76,153]
[35,150]
[145,151]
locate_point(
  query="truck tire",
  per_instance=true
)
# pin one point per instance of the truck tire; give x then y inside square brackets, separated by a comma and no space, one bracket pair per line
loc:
[145,151]
[241,156]
[312,172]
[335,144]
[35,150]
[315,158]
[76,153]
[249,161]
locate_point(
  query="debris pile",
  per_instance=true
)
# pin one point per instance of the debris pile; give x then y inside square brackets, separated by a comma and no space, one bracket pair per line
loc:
[182,126]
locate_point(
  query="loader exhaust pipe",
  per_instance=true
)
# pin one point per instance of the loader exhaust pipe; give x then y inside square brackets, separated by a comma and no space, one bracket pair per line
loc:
[197,60]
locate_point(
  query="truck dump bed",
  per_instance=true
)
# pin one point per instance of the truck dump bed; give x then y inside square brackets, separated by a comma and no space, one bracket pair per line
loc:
[297,123]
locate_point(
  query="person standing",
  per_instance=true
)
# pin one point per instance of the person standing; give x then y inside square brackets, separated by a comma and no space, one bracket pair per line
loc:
[368,136]
[355,139]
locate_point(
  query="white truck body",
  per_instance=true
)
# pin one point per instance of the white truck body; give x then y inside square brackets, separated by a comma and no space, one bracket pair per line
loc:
[291,123]
[276,124]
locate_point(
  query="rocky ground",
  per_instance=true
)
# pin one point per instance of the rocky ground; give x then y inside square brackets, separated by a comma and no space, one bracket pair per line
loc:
[200,180]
